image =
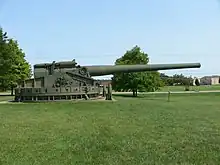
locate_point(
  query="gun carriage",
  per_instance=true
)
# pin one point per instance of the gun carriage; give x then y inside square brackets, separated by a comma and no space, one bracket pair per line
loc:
[68,81]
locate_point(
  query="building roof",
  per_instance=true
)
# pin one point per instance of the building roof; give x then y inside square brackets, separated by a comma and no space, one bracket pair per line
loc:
[213,76]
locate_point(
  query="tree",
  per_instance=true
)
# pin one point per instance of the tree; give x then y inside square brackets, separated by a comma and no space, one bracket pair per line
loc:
[14,68]
[139,81]
[182,80]
[3,58]
[167,80]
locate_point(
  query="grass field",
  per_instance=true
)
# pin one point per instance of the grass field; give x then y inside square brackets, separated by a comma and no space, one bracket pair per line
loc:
[144,130]
[192,88]
[197,88]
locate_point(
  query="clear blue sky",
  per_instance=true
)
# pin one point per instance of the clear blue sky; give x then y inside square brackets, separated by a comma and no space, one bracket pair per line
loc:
[99,31]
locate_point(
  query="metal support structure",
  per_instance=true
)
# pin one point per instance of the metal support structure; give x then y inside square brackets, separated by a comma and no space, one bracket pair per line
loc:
[109,93]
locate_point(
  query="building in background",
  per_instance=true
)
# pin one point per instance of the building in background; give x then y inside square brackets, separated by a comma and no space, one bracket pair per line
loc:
[210,80]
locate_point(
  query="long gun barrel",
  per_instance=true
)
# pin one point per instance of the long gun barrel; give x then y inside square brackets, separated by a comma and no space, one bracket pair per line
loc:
[101,70]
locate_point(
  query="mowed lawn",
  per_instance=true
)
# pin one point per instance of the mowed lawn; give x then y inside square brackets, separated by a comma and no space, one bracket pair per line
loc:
[145,130]
[196,88]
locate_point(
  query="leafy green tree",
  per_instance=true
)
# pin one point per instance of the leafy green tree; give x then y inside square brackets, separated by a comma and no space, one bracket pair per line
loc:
[14,68]
[139,81]
[182,80]
[3,58]
[167,80]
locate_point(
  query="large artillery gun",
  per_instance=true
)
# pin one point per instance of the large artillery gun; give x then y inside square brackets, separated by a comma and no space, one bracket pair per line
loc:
[68,81]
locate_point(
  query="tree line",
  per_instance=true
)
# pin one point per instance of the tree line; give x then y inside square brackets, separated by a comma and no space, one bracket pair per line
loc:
[176,80]
[14,68]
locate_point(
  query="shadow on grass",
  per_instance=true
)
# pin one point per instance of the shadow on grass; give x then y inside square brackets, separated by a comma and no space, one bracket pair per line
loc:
[3,95]
[140,95]
[144,96]
[125,95]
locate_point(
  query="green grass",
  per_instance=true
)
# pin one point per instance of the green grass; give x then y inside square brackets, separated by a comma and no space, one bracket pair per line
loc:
[144,130]
[6,98]
[182,88]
